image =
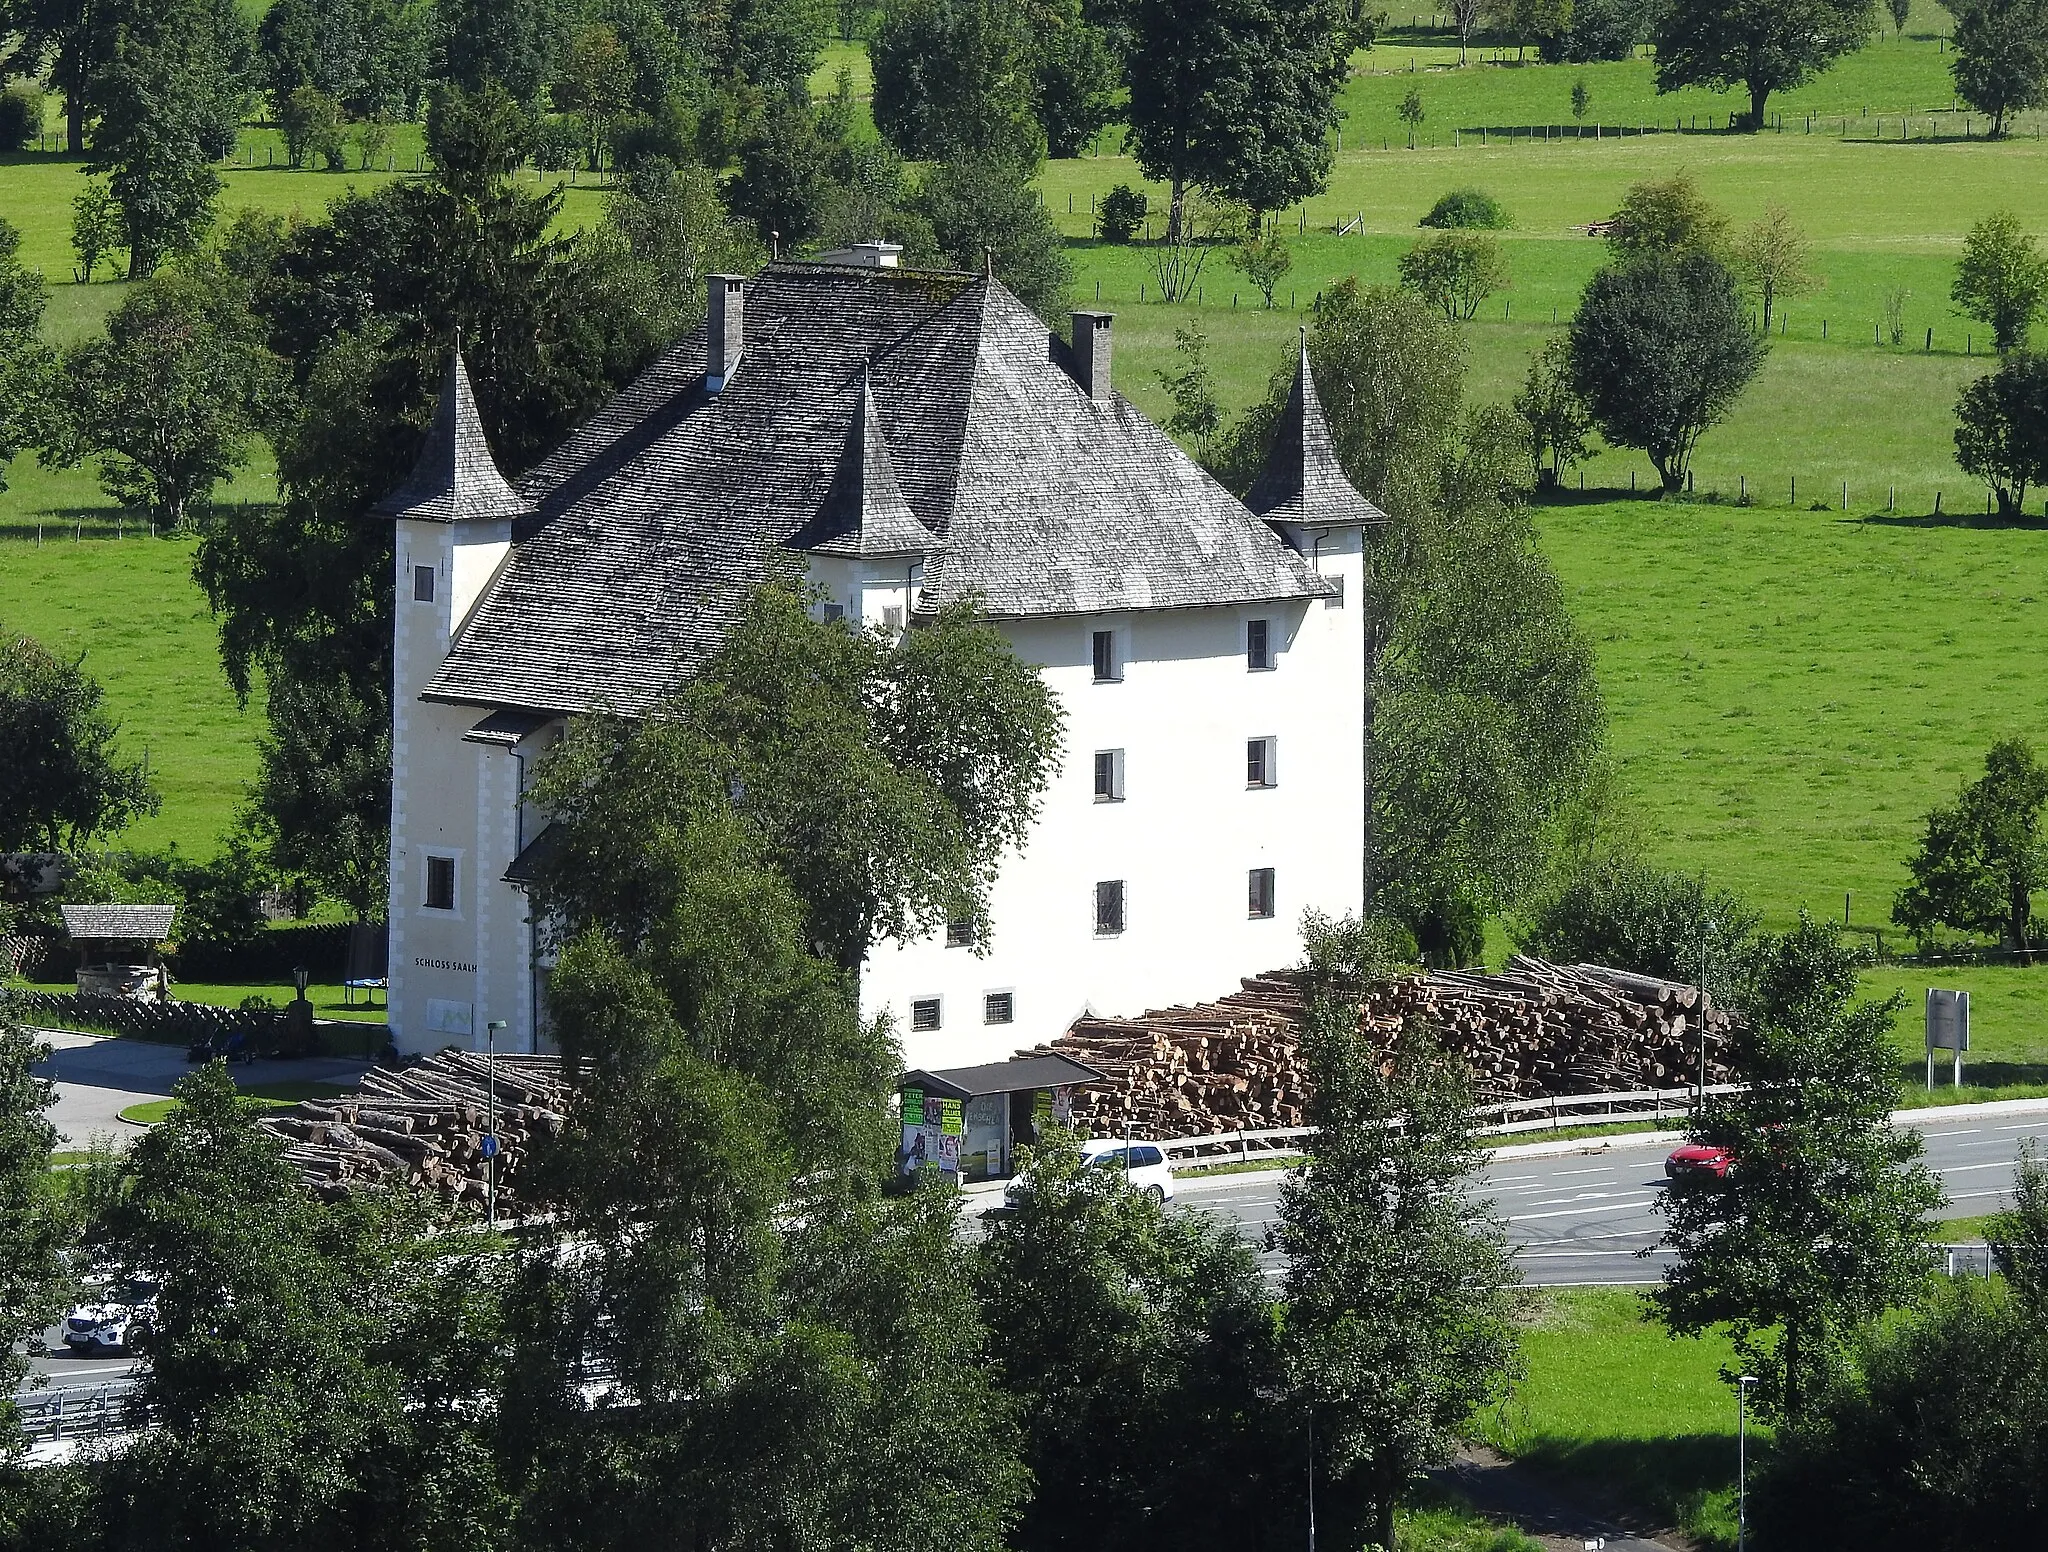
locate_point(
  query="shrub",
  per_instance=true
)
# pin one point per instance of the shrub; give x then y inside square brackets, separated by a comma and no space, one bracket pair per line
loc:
[1632,916]
[21,115]
[1454,273]
[1120,214]
[558,141]
[1468,208]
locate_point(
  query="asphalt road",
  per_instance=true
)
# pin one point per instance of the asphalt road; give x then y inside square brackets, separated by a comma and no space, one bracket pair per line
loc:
[1579,1219]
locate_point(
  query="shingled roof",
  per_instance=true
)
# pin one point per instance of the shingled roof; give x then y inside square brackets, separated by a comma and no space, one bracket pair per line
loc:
[1303,482]
[455,477]
[657,519]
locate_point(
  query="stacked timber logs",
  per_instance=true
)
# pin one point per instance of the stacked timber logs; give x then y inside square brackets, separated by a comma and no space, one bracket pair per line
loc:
[1535,1030]
[424,1126]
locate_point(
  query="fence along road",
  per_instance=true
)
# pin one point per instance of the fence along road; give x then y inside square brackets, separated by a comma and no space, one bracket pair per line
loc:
[1578,1219]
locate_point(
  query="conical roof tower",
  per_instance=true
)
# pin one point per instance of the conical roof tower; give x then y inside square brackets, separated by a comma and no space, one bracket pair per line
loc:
[455,478]
[1303,483]
[864,515]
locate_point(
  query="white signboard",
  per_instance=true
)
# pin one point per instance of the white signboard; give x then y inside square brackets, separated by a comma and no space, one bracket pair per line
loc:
[449,1018]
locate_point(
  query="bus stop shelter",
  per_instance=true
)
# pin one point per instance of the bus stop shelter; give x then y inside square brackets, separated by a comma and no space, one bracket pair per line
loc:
[968,1122]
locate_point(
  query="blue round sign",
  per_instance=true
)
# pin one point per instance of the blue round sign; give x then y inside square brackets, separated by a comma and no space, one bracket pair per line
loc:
[490,1147]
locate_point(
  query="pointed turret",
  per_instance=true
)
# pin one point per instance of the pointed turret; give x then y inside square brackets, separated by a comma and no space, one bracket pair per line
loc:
[1303,483]
[865,516]
[455,478]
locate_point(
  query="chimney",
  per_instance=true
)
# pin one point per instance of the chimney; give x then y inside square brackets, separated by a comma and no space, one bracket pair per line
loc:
[726,334]
[1091,354]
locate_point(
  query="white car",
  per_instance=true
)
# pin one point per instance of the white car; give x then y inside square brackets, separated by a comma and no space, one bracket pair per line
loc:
[122,1320]
[1145,1166]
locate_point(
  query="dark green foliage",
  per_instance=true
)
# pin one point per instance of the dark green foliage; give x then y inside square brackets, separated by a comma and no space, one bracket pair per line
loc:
[312,125]
[956,78]
[1121,213]
[2002,279]
[1558,419]
[1237,97]
[2002,430]
[169,397]
[1939,1439]
[168,95]
[370,56]
[1762,46]
[984,212]
[1468,208]
[1077,76]
[27,365]
[69,39]
[872,198]
[1598,30]
[1196,420]
[1399,1321]
[1666,218]
[1817,1226]
[32,1272]
[675,230]
[1982,857]
[61,782]
[782,185]
[2019,1236]
[1661,346]
[513,43]
[2001,56]
[1626,913]
[1145,1355]
[316,1369]
[21,114]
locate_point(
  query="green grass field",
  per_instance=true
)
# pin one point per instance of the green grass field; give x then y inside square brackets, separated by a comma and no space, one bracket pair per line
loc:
[1615,1405]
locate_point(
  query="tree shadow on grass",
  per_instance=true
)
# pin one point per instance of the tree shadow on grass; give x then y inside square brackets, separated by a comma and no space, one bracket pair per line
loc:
[1647,1484]
[1976,1074]
[1948,520]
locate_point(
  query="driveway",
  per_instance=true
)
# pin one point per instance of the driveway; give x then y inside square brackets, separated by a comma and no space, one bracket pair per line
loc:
[99,1076]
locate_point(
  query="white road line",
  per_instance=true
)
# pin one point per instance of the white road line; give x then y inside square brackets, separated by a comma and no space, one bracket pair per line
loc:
[1574,1255]
[1590,1169]
[1968,1131]
[1963,1169]
[1567,1212]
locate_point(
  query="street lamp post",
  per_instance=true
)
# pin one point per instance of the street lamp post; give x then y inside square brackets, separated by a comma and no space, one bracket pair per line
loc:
[1742,1384]
[491,1124]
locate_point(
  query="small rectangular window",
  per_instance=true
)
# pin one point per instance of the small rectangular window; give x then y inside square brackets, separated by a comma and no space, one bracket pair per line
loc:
[960,932]
[1335,600]
[1261,768]
[1258,644]
[423,584]
[1103,644]
[440,883]
[1109,775]
[834,612]
[1109,908]
[924,1013]
[999,1008]
[1261,893]
[892,619]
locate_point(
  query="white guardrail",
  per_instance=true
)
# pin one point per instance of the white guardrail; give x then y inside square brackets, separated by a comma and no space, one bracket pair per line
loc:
[1553,1114]
[75,1412]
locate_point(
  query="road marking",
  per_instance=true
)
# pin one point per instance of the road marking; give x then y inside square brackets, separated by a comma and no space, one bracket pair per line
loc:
[1567,1212]
[1583,1196]
[1961,1169]
[1574,1255]
[1590,1169]
[1968,1131]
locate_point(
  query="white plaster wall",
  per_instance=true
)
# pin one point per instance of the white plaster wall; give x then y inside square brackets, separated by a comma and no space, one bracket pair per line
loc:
[1185,837]
[451,799]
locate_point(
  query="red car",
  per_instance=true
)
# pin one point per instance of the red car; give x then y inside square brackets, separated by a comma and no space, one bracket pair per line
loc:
[1697,1159]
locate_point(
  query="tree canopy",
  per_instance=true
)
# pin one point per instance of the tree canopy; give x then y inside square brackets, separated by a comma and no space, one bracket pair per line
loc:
[1982,857]
[62,783]
[2002,279]
[2001,56]
[1762,46]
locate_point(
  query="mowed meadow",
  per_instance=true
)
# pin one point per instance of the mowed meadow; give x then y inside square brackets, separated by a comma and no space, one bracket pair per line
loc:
[1792,683]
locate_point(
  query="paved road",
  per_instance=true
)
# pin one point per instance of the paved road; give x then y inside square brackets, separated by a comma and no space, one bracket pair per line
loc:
[1578,1219]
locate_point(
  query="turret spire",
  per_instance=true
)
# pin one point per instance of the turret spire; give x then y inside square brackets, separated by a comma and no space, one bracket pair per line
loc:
[455,478]
[1303,482]
[864,514]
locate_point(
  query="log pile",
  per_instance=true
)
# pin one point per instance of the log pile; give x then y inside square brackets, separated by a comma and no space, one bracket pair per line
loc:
[423,1126]
[1533,1031]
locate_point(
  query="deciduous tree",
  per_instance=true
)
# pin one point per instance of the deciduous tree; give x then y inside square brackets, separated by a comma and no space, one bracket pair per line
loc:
[1263,259]
[1235,96]
[984,212]
[2001,56]
[32,1273]
[1624,912]
[1660,350]
[957,78]
[62,784]
[1398,1294]
[1455,272]
[1558,418]
[1982,857]
[1666,218]
[2002,279]
[1817,1225]
[95,229]
[1761,46]
[168,399]
[2002,430]
[27,365]
[1771,256]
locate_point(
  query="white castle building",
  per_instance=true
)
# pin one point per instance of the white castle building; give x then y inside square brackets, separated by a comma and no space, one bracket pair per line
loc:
[916,438]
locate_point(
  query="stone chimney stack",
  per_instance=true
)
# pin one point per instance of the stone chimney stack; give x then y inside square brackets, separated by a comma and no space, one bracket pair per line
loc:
[1092,354]
[726,335]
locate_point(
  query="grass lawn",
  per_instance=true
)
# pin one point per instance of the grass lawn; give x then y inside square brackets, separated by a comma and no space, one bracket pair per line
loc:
[271,1096]
[1614,1404]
